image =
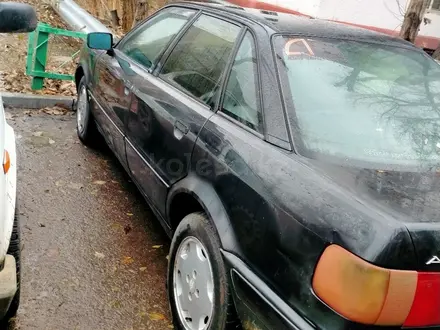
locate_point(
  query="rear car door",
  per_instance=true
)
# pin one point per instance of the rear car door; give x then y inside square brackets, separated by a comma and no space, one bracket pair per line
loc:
[171,106]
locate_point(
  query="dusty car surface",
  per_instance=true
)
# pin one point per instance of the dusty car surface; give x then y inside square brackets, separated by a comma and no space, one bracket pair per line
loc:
[14,17]
[293,161]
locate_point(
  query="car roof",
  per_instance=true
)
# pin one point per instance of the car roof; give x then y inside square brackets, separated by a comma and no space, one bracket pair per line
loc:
[285,23]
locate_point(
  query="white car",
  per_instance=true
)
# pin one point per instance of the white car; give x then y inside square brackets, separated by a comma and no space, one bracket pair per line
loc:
[9,227]
[14,18]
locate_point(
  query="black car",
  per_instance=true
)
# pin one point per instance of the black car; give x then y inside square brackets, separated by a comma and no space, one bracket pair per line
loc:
[294,162]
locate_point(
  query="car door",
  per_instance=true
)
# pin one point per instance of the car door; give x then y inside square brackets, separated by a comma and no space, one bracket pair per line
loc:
[111,94]
[171,106]
[232,148]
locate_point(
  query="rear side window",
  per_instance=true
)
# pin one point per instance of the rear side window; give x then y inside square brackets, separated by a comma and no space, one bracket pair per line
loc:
[241,100]
[372,104]
[197,62]
[146,45]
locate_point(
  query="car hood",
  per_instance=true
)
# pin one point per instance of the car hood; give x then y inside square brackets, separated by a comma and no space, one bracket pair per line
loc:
[409,197]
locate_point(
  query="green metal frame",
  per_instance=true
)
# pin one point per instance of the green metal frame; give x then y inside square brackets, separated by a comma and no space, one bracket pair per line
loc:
[37,54]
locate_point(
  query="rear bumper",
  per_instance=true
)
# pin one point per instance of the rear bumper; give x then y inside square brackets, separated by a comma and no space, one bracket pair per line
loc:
[258,306]
[8,284]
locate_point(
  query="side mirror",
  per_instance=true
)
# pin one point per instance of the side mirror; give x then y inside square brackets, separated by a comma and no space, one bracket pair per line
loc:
[17,17]
[100,41]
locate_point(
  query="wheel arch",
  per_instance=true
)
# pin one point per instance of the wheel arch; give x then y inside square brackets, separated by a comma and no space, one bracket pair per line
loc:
[82,71]
[194,194]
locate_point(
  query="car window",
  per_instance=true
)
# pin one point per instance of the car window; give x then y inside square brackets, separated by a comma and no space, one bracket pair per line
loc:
[197,62]
[146,45]
[241,96]
[362,102]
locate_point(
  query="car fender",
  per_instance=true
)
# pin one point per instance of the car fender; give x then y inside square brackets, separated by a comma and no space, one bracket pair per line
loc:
[87,63]
[211,203]
[86,71]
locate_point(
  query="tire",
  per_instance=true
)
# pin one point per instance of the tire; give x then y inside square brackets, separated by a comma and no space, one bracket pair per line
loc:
[15,250]
[85,123]
[196,228]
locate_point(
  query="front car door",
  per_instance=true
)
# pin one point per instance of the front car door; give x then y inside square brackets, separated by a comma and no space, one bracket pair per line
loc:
[170,107]
[111,95]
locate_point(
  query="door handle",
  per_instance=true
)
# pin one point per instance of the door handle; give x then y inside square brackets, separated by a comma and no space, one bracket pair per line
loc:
[180,129]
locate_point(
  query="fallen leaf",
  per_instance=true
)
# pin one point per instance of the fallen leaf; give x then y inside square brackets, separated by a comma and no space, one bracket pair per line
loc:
[143,269]
[99,255]
[156,316]
[116,226]
[130,214]
[76,186]
[116,304]
[127,260]
[99,182]
[66,85]
[157,246]
[59,183]
[54,110]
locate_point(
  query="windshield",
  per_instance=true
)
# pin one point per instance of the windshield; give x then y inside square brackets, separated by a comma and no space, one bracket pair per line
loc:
[361,101]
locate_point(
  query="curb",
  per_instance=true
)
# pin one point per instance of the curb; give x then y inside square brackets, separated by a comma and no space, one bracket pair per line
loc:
[30,101]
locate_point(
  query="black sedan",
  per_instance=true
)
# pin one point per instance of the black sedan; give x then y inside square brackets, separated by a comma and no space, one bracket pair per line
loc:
[294,162]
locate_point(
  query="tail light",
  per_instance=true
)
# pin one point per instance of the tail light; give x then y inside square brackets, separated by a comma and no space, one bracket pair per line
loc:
[364,293]
[6,162]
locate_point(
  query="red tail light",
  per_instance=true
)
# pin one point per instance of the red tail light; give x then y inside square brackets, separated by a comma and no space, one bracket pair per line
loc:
[425,310]
[364,293]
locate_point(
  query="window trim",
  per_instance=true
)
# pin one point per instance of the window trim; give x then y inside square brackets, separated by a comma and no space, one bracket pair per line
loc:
[259,95]
[145,21]
[286,95]
[179,37]
[240,124]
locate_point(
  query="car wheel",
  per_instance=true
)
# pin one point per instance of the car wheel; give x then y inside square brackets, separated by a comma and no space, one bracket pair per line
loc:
[198,286]
[15,250]
[85,125]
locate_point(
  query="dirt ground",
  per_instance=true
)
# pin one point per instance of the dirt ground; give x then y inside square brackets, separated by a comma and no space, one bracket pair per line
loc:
[13,53]
[94,256]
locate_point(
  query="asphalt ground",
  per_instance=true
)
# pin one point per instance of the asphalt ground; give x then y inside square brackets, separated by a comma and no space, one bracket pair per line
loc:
[93,254]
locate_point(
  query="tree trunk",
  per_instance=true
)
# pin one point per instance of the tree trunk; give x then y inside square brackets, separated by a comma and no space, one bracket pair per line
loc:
[128,9]
[141,12]
[115,17]
[413,18]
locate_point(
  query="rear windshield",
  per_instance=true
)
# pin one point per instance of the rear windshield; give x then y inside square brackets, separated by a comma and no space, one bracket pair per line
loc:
[355,101]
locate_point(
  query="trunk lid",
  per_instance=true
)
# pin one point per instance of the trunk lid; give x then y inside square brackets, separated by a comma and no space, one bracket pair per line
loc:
[409,198]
